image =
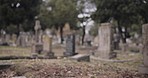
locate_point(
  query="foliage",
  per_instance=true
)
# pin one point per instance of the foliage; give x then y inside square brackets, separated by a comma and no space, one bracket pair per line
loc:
[94,30]
[125,12]
[17,11]
[58,12]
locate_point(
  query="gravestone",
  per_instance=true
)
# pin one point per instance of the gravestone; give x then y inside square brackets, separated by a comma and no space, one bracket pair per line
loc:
[7,38]
[14,38]
[105,49]
[21,40]
[70,45]
[3,34]
[37,46]
[116,40]
[47,46]
[144,68]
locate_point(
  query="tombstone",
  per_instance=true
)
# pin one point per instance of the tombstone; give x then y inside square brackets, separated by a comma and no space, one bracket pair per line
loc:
[116,39]
[66,29]
[14,39]
[105,49]
[47,46]
[95,41]
[7,38]
[144,67]
[88,39]
[70,45]
[3,34]
[37,46]
[21,40]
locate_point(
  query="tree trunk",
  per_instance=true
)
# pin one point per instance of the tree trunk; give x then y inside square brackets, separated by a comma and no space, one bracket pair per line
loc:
[122,35]
[18,30]
[83,35]
[61,34]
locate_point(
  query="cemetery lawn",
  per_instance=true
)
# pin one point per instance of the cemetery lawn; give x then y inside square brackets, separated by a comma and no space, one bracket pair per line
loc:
[65,68]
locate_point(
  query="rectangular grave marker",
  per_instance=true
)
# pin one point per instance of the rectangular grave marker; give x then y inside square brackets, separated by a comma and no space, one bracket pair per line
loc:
[105,49]
[70,45]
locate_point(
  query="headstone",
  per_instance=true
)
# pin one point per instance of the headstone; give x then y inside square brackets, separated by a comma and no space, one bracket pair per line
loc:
[37,46]
[3,34]
[144,68]
[116,39]
[88,39]
[47,46]
[105,49]
[21,40]
[96,41]
[7,38]
[70,45]
[66,29]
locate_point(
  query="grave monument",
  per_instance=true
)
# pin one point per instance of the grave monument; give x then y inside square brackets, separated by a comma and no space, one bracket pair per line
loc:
[105,49]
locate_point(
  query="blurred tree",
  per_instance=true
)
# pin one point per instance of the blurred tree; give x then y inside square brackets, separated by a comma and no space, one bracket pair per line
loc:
[17,12]
[125,12]
[58,12]
[94,30]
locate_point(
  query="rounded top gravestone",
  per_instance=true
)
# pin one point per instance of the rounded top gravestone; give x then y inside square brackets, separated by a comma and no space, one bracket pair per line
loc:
[37,25]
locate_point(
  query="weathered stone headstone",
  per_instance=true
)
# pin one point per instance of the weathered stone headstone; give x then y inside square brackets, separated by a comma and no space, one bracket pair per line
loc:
[116,40]
[105,49]
[70,45]
[7,38]
[144,68]
[21,40]
[47,46]
[66,29]
[37,46]
[3,34]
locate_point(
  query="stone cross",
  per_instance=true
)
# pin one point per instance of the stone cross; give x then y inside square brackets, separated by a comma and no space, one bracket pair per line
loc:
[37,46]
[144,68]
[105,49]
[37,29]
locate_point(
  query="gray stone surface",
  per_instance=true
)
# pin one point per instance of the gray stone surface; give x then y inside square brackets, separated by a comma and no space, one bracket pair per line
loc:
[19,77]
[144,68]
[70,45]
[37,46]
[81,57]
[47,46]
[105,49]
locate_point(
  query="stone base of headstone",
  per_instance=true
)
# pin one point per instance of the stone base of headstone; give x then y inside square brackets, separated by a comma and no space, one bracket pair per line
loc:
[34,55]
[50,55]
[143,69]
[106,56]
[66,54]
[37,48]
[81,57]
[123,47]
[19,77]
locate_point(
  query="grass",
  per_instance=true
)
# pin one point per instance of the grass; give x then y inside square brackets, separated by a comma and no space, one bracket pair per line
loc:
[62,68]
[14,51]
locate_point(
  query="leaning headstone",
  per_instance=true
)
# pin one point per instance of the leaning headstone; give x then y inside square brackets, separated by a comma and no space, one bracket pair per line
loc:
[70,45]
[105,49]
[144,68]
